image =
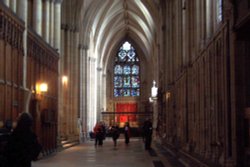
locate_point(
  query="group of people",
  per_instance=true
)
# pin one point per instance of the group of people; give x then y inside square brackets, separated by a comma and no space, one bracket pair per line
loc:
[22,145]
[114,130]
[100,132]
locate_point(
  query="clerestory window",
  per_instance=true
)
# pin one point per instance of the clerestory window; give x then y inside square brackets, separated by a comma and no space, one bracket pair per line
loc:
[219,10]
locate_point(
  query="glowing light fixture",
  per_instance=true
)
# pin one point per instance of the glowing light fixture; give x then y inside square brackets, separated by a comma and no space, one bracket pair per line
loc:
[43,87]
[64,79]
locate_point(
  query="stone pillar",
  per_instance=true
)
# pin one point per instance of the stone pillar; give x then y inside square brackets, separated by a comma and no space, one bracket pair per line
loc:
[65,70]
[81,87]
[13,5]
[37,16]
[46,20]
[209,17]
[91,92]
[84,96]
[61,87]
[57,24]
[198,22]
[184,32]
[99,95]
[75,66]
[64,87]
[70,73]
[51,24]
[22,12]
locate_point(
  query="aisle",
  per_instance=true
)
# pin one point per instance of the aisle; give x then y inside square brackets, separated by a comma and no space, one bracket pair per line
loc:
[87,155]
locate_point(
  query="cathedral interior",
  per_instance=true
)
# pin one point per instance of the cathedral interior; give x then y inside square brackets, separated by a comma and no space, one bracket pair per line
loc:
[182,63]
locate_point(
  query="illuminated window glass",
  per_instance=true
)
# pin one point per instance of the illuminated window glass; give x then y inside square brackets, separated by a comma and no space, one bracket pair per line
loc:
[219,10]
[126,72]
[118,69]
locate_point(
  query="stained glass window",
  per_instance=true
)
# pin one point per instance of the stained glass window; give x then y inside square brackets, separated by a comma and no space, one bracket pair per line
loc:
[126,72]
[219,10]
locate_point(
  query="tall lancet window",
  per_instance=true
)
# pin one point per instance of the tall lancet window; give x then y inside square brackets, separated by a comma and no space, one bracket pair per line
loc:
[219,10]
[126,72]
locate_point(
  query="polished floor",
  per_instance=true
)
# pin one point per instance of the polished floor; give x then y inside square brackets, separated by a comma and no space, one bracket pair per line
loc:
[87,155]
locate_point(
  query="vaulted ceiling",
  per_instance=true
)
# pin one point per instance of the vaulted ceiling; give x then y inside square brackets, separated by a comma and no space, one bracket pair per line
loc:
[105,23]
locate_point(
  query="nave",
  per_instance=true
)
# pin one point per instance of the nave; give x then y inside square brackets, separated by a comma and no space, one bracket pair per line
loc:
[87,155]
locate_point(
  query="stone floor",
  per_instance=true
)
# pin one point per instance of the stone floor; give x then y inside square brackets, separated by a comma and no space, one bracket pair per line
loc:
[87,155]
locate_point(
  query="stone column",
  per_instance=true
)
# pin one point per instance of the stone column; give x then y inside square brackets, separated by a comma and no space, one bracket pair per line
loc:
[46,20]
[83,74]
[155,117]
[64,87]
[80,48]
[91,106]
[22,12]
[13,5]
[37,16]
[104,92]
[99,95]
[51,24]
[57,24]
[209,17]
[61,87]
[184,32]
[198,22]
[75,90]
[82,89]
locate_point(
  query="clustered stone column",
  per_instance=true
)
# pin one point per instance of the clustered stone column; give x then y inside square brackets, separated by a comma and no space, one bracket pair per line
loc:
[46,20]
[91,105]
[57,24]
[70,67]
[37,16]
[83,86]
[13,5]
[22,6]
[51,24]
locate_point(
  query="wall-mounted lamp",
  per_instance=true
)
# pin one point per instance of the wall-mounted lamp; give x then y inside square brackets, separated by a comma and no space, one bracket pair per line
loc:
[42,87]
[64,80]
[168,94]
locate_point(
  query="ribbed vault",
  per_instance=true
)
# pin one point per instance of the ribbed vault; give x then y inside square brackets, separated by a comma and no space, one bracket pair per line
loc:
[111,21]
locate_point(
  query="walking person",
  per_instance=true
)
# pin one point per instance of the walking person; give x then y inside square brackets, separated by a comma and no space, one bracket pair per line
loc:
[148,131]
[115,133]
[23,146]
[98,130]
[127,132]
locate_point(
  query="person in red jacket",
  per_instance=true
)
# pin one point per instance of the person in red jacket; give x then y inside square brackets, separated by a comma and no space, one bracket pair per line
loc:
[98,130]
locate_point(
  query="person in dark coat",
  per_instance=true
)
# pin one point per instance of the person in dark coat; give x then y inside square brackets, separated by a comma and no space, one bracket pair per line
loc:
[115,133]
[23,146]
[148,131]
[127,132]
